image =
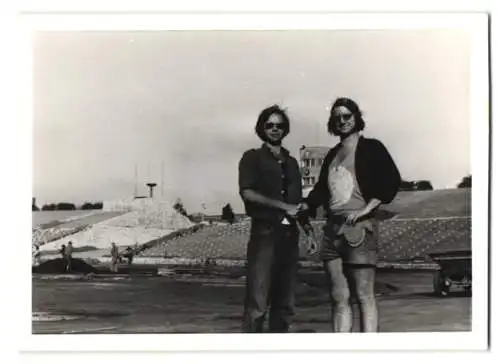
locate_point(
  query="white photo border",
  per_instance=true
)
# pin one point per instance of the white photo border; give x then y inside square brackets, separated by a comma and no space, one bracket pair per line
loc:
[474,24]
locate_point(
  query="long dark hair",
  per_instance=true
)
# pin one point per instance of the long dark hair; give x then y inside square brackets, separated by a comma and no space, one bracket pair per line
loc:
[265,115]
[353,107]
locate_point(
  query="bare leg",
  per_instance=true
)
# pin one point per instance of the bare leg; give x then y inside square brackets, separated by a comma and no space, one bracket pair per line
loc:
[339,295]
[362,282]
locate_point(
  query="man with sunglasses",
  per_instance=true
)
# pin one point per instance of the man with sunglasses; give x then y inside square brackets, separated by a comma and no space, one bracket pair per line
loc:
[270,185]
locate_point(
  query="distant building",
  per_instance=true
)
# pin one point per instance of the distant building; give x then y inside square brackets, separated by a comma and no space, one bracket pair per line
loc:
[311,159]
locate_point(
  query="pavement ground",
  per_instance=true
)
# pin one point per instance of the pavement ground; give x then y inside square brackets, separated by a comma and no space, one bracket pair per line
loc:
[183,303]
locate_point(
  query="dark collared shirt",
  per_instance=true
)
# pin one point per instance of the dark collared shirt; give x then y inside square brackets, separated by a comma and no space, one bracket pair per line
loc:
[278,179]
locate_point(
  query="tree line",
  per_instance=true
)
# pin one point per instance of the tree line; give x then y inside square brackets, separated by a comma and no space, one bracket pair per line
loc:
[67,206]
[227,213]
[424,185]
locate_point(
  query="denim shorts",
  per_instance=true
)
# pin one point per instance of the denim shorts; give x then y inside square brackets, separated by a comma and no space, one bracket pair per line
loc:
[334,246]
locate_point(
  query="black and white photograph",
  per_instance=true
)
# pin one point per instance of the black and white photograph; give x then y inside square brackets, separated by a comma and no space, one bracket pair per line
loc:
[265,176]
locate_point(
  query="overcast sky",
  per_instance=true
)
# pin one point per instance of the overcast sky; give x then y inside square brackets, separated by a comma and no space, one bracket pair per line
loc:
[107,101]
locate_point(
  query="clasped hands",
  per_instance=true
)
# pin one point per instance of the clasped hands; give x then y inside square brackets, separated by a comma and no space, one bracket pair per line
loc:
[312,245]
[293,210]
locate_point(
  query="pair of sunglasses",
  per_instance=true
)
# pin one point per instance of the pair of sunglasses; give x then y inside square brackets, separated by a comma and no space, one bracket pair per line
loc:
[344,117]
[269,126]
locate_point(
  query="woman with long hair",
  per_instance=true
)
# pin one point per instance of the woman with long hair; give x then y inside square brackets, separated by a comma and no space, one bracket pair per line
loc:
[357,176]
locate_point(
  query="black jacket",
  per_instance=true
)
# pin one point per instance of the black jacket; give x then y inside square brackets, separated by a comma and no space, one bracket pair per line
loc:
[377,174]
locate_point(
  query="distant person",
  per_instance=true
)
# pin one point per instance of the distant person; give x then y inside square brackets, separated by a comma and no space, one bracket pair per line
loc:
[270,185]
[36,255]
[356,176]
[129,254]
[62,251]
[69,256]
[115,257]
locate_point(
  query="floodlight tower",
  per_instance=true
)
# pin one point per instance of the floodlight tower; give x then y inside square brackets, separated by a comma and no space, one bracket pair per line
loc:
[151,185]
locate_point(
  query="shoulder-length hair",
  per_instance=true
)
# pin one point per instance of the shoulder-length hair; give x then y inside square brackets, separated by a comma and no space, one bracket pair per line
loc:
[265,115]
[353,107]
